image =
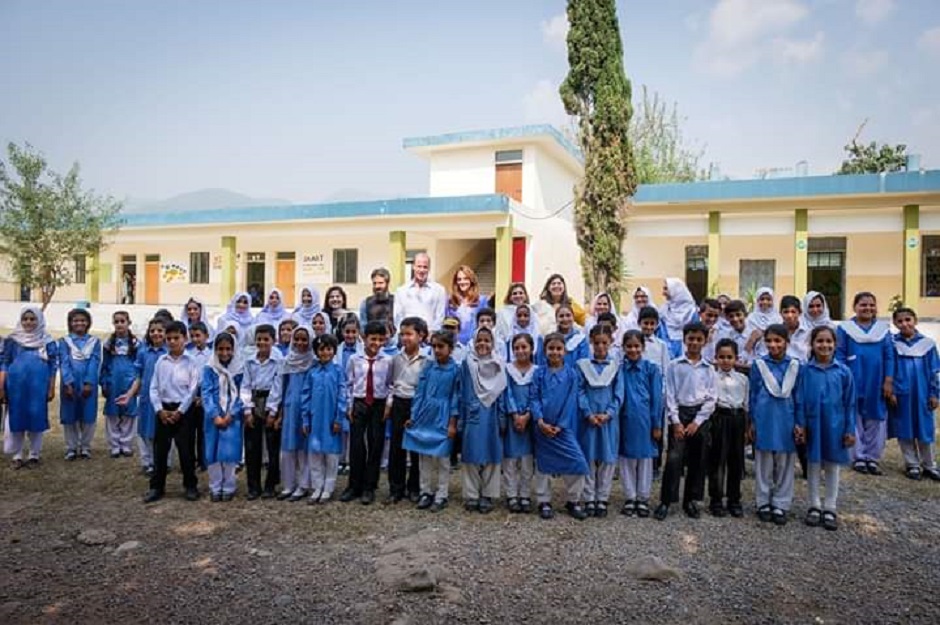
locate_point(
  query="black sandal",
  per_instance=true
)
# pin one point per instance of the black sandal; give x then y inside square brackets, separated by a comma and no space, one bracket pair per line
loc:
[860,466]
[764,513]
[642,509]
[874,469]
[813,517]
[525,505]
[913,473]
[830,521]
[629,508]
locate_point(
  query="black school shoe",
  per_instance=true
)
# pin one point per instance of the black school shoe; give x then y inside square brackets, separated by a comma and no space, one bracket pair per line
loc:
[268,493]
[525,505]
[347,496]
[252,495]
[765,513]
[779,516]
[716,509]
[486,505]
[590,508]
[932,474]
[438,505]
[575,511]
[425,501]
[545,511]
[691,510]
[471,505]
[601,511]
[152,496]
[192,494]
[860,466]
[873,468]
[662,511]
[735,510]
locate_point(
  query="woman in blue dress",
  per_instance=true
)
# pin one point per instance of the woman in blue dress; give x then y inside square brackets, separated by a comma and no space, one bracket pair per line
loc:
[295,478]
[554,404]
[220,389]
[464,302]
[79,365]
[27,381]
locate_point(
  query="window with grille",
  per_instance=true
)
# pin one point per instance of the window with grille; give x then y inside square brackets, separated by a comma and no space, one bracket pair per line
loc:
[80,269]
[199,267]
[345,266]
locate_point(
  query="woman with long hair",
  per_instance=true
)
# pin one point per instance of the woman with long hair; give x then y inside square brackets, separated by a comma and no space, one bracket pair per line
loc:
[464,301]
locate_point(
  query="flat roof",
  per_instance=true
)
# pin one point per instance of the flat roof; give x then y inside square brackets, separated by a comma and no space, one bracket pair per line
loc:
[531,132]
[463,204]
[797,187]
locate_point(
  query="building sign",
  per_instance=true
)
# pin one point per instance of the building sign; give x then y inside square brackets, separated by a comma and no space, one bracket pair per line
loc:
[313,267]
[172,273]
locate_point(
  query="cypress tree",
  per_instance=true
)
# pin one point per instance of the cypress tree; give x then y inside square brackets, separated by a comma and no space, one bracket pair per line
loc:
[597,91]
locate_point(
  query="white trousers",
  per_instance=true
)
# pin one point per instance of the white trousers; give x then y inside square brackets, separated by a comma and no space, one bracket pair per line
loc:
[599,481]
[480,480]
[427,466]
[917,454]
[222,478]
[14,442]
[574,485]
[773,478]
[145,446]
[814,476]
[636,475]
[323,469]
[78,436]
[294,473]
[517,477]
[120,433]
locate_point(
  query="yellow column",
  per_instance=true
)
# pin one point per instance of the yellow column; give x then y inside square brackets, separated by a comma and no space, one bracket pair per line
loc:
[396,258]
[911,255]
[504,256]
[801,250]
[228,270]
[714,251]
[92,278]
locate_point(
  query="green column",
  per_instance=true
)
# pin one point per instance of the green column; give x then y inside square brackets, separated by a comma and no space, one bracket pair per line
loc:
[504,256]
[396,258]
[911,255]
[714,251]
[227,291]
[92,278]
[801,250]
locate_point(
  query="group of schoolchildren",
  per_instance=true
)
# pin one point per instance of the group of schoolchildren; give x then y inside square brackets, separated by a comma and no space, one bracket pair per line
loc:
[304,397]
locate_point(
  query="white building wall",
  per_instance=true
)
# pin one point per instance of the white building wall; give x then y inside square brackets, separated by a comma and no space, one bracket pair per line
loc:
[468,171]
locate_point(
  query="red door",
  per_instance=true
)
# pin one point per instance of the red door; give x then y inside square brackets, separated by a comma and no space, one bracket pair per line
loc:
[518,259]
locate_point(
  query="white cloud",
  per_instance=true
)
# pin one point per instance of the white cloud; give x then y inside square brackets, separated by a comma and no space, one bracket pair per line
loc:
[929,41]
[555,30]
[542,105]
[741,33]
[873,11]
[798,50]
[864,63]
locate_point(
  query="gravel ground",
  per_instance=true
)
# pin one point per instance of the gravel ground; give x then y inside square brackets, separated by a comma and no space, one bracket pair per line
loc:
[268,561]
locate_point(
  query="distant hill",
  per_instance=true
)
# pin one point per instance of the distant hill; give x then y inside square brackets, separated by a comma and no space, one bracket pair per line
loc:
[203,199]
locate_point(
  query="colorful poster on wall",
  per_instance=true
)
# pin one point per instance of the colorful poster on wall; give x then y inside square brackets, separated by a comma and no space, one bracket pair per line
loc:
[174,272]
[313,267]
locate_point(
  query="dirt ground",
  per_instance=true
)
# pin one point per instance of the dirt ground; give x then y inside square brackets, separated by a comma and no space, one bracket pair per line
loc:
[268,561]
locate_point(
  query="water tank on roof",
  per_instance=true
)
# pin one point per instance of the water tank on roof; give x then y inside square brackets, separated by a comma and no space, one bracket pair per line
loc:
[913,162]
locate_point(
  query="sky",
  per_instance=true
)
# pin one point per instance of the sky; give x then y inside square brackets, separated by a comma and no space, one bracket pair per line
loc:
[309,100]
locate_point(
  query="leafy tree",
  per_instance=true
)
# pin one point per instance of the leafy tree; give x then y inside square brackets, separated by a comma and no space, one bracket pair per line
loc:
[659,152]
[872,158]
[597,91]
[47,220]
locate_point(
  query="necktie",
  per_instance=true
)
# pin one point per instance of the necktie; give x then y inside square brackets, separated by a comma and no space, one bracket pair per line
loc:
[370,385]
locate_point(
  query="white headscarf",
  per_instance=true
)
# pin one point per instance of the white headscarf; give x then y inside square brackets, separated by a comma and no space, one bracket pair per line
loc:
[592,320]
[631,321]
[294,361]
[823,319]
[272,315]
[184,317]
[228,390]
[759,319]
[678,310]
[488,375]
[326,322]
[38,338]
[231,316]
[304,314]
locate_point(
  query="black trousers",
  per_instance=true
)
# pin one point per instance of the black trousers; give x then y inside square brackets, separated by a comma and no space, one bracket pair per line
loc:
[689,453]
[398,457]
[182,433]
[726,455]
[366,442]
[199,437]
[257,437]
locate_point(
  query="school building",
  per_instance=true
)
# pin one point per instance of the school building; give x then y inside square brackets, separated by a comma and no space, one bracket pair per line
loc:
[501,201]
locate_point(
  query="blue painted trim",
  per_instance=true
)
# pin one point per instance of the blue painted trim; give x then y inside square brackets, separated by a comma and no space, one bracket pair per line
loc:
[489,203]
[806,186]
[495,134]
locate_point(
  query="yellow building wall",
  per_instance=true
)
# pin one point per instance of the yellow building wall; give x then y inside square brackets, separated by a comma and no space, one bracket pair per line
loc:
[873,263]
[734,249]
[650,260]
